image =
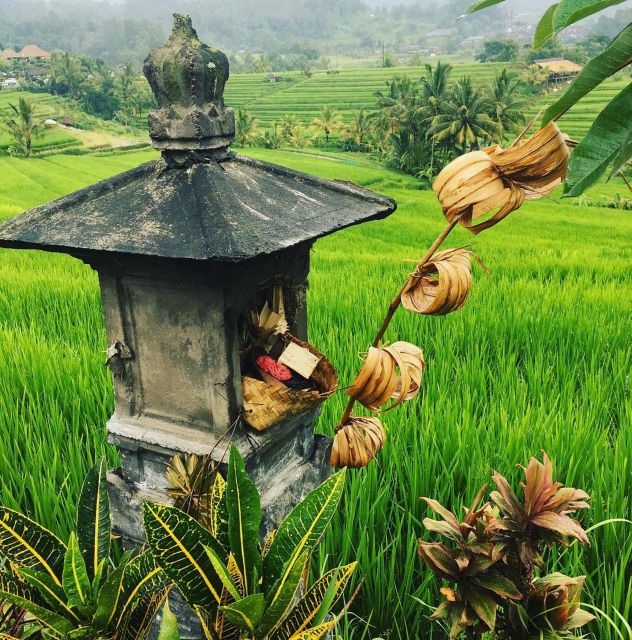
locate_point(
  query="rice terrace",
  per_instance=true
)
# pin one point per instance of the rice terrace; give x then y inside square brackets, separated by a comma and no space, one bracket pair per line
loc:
[339,350]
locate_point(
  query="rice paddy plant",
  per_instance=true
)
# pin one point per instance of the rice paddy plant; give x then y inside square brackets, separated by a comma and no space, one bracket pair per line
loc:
[538,359]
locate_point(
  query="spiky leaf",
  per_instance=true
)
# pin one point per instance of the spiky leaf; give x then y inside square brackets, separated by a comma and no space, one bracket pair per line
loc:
[27,544]
[93,518]
[302,529]
[177,543]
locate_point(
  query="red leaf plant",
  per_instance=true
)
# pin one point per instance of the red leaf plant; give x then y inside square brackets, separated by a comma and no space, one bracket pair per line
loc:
[491,558]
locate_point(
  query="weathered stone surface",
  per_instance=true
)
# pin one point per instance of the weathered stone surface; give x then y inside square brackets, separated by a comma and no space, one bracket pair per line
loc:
[226,211]
[188,78]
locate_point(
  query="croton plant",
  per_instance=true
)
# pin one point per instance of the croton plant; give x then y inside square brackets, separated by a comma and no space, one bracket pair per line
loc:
[493,557]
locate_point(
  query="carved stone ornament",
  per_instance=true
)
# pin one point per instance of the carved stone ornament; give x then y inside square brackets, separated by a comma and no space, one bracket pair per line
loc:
[187,78]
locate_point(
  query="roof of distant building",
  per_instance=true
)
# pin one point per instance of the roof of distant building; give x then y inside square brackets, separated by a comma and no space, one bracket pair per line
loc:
[7,53]
[29,51]
[558,65]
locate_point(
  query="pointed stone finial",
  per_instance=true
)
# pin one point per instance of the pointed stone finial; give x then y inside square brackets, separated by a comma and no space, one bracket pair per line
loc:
[188,78]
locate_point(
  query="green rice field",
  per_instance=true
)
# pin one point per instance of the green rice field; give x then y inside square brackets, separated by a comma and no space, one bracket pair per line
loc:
[347,90]
[539,359]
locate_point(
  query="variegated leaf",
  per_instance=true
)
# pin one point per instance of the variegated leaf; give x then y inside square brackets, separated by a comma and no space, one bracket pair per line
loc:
[47,618]
[315,633]
[225,630]
[282,596]
[302,529]
[75,579]
[93,518]
[143,578]
[27,544]
[244,520]
[138,621]
[303,613]
[50,594]
[177,543]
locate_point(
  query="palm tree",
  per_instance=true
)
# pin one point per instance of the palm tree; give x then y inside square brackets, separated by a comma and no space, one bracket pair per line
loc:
[399,104]
[434,90]
[359,128]
[291,130]
[246,127]
[464,120]
[66,69]
[328,121]
[508,108]
[535,77]
[22,127]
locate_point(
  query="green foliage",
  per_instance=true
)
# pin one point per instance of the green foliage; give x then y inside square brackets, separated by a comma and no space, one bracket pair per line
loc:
[551,350]
[607,143]
[327,122]
[245,127]
[491,556]
[168,625]
[498,51]
[70,592]
[22,126]
[617,55]
[247,590]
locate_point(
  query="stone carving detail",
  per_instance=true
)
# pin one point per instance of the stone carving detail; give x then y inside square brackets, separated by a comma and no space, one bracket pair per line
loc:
[187,78]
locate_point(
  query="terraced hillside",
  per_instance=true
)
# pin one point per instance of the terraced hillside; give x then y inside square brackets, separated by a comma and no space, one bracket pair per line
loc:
[347,90]
[578,120]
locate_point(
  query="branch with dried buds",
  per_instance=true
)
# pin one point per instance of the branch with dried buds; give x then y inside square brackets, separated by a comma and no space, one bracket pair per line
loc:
[477,190]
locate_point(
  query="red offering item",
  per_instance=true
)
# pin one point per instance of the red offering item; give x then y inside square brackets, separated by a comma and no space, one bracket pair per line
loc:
[274,368]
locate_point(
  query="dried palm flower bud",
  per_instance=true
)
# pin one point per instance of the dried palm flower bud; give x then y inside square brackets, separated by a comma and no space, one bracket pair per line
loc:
[500,180]
[440,286]
[357,442]
[379,381]
[411,363]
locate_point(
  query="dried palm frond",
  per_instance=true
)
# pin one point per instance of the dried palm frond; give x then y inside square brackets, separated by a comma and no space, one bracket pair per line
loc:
[392,372]
[440,286]
[357,442]
[500,180]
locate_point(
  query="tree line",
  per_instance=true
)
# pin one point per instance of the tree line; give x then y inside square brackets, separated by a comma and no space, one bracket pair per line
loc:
[418,125]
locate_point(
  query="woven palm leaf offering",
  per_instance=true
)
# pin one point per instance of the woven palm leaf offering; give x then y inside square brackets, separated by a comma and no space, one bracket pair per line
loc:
[282,376]
[477,190]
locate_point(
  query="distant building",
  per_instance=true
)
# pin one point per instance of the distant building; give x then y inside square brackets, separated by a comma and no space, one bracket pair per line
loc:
[29,52]
[559,69]
[67,121]
[7,54]
[274,77]
[36,73]
[10,83]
